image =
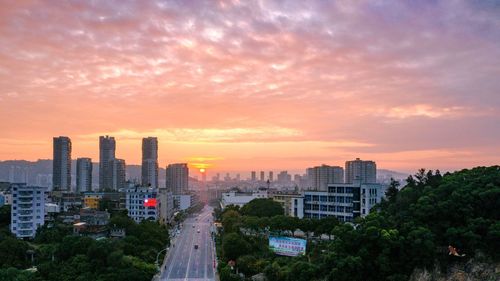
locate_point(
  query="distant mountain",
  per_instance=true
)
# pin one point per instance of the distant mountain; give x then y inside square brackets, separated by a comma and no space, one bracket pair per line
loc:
[384,176]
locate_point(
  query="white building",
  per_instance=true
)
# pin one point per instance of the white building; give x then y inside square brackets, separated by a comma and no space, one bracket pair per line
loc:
[27,210]
[141,203]
[166,206]
[344,201]
[241,198]
[184,201]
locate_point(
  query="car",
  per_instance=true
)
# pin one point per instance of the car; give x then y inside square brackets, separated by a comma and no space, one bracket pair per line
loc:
[198,231]
[196,246]
[193,226]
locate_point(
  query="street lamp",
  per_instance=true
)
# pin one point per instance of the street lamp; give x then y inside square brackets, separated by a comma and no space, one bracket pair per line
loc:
[157,256]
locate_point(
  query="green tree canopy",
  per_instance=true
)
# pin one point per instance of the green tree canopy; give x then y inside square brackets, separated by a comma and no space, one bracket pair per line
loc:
[262,208]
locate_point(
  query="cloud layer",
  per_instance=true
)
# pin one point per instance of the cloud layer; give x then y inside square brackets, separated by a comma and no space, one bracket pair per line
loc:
[271,84]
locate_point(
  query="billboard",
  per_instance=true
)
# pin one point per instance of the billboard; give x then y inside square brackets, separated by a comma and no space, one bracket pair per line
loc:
[150,202]
[287,246]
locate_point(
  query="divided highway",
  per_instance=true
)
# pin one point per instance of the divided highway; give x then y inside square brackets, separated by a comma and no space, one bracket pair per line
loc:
[192,254]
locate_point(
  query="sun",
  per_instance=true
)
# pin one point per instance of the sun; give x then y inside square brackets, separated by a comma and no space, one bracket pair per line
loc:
[202,170]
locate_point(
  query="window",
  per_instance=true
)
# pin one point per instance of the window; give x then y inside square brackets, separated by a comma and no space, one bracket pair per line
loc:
[331,198]
[331,208]
[315,198]
[323,198]
[324,208]
[315,207]
[348,189]
[340,189]
[307,206]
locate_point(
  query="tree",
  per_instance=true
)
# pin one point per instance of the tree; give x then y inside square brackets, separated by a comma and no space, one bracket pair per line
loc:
[392,190]
[262,207]
[231,221]
[234,246]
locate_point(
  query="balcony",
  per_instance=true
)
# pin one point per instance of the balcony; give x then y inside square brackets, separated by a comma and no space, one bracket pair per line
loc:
[24,194]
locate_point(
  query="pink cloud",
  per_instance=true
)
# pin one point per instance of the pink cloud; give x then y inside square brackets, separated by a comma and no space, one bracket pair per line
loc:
[338,70]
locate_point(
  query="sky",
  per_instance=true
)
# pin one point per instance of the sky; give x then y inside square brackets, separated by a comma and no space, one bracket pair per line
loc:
[255,85]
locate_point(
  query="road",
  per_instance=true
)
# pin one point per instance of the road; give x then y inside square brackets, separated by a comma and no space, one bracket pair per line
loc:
[183,261]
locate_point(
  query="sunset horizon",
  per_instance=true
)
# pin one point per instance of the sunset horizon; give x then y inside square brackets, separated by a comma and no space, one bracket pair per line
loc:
[254,85]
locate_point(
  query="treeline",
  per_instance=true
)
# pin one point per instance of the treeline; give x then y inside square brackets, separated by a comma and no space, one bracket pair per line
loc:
[411,229]
[58,255]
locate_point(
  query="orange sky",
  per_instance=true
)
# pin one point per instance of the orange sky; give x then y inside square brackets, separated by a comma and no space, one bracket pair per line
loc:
[254,85]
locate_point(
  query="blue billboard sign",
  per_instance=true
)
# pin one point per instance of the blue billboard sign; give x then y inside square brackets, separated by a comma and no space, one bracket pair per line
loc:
[287,246]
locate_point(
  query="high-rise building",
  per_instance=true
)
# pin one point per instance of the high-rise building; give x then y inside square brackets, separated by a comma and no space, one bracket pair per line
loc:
[107,148]
[177,178]
[320,176]
[118,169]
[360,171]
[150,162]
[27,210]
[271,176]
[262,176]
[61,165]
[284,178]
[83,174]
[254,176]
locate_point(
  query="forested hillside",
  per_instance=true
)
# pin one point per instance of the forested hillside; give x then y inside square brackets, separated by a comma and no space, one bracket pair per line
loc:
[411,230]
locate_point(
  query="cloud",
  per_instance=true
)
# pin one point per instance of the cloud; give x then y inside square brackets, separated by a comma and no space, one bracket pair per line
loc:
[257,71]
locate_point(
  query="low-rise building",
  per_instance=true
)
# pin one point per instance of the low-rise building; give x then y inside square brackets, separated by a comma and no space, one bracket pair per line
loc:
[141,203]
[27,209]
[292,202]
[184,201]
[344,201]
[5,193]
[238,198]
[51,211]
[67,201]
[93,199]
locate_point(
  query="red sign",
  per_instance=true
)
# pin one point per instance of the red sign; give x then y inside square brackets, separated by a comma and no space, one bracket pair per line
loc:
[150,202]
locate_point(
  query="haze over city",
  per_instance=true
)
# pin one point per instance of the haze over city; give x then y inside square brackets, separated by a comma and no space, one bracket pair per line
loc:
[254,85]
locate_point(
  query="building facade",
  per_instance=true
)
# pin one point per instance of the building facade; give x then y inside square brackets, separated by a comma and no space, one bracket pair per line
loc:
[360,171]
[107,148]
[27,210]
[320,177]
[343,201]
[241,198]
[177,178]
[165,206]
[292,203]
[141,203]
[118,174]
[150,162]
[83,175]
[61,164]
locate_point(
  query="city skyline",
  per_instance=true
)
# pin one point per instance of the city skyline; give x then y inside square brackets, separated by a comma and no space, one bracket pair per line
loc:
[242,86]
